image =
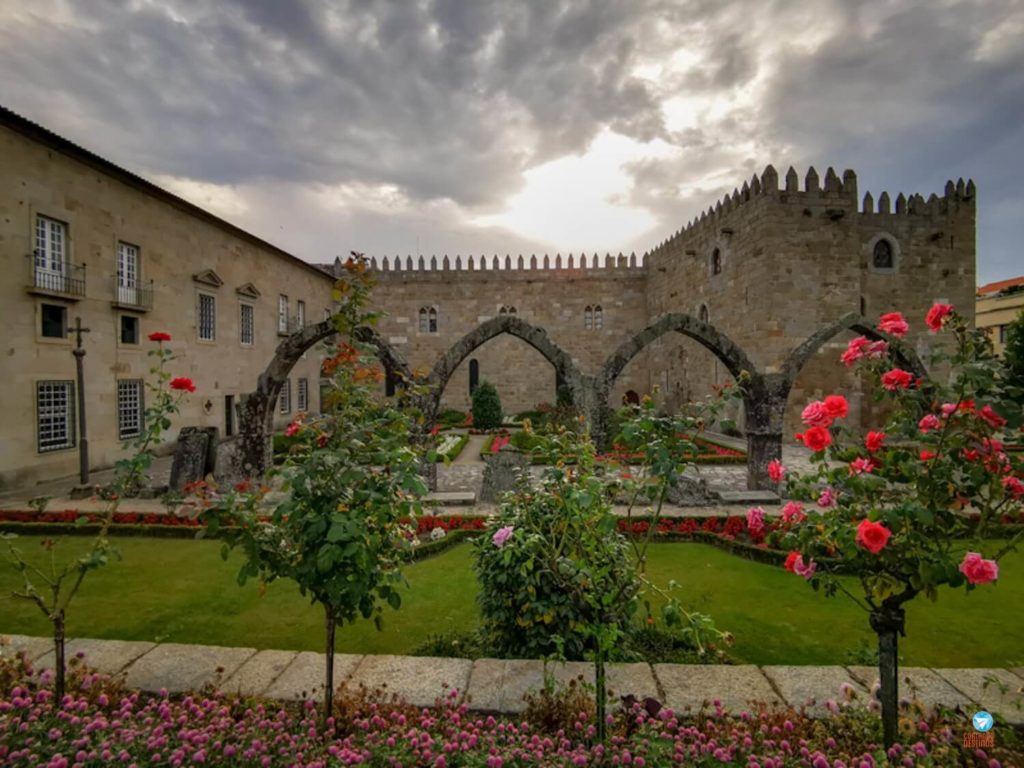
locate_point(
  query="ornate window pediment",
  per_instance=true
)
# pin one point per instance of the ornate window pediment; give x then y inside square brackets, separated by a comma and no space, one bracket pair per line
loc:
[248,290]
[208,277]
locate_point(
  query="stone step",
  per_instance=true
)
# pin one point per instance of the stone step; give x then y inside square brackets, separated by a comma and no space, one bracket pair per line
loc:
[748,497]
[451,498]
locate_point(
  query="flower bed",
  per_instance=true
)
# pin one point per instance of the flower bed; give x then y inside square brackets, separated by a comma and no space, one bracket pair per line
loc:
[451,446]
[99,722]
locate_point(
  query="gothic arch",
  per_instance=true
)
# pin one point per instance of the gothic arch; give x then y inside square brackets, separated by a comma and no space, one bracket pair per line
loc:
[514,326]
[852,321]
[733,358]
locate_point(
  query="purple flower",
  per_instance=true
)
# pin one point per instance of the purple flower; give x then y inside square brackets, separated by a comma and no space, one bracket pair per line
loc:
[502,535]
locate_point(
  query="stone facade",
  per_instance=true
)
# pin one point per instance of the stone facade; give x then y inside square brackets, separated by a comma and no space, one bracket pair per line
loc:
[182,252]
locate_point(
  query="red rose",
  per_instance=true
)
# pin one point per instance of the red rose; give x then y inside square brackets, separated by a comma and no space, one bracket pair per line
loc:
[817,438]
[816,415]
[893,324]
[791,558]
[993,419]
[872,536]
[926,455]
[873,441]
[159,336]
[929,422]
[1013,486]
[836,406]
[183,384]
[937,316]
[896,379]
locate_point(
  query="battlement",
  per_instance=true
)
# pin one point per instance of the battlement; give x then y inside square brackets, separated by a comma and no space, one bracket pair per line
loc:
[837,196]
[576,266]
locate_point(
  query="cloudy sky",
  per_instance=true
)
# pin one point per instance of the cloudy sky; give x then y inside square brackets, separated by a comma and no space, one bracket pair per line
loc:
[487,126]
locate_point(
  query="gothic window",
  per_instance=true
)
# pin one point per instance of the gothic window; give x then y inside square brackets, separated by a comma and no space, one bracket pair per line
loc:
[716,261]
[882,257]
[704,315]
[507,309]
[474,376]
[428,319]
[598,318]
[588,318]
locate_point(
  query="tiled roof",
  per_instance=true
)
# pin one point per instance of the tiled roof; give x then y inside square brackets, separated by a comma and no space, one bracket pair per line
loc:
[1000,285]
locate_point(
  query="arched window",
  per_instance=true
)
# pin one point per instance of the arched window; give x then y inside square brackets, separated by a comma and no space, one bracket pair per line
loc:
[631,398]
[507,309]
[588,318]
[598,318]
[428,320]
[474,375]
[882,257]
[716,261]
[703,314]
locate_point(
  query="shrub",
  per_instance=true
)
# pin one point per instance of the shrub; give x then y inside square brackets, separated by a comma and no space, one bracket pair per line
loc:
[486,407]
[451,418]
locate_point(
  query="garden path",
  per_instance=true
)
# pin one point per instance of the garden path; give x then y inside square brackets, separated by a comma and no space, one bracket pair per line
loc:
[492,685]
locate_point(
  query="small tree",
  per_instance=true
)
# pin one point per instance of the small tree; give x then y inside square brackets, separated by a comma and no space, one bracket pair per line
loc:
[892,508]
[353,482]
[486,407]
[53,589]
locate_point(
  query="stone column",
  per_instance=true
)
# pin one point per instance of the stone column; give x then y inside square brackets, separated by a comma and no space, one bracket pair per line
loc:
[765,406]
[254,456]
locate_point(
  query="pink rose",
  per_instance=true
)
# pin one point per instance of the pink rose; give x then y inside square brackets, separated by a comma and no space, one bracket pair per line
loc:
[893,324]
[861,466]
[896,379]
[877,349]
[948,409]
[992,418]
[872,536]
[1013,486]
[776,471]
[854,351]
[293,429]
[502,535]
[795,564]
[978,570]
[793,512]
[755,521]
[815,415]
[937,316]
[928,423]
[827,499]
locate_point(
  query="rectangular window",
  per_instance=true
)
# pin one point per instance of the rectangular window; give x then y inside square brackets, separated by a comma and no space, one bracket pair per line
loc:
[129,408]
[1002,333]
[282,314]
[128,274]
[51,247]
[302,397]
[55,415]
[207,317]
[247,324]
[54,321]
[129,329]
[284,400]
[300,314]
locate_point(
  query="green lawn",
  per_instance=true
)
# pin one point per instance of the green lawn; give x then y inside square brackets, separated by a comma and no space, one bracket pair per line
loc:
[181,590]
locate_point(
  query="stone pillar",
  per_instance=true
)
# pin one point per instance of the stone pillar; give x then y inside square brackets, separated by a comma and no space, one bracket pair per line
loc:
[253,456]
[765,407]
[591,401]
[502,472]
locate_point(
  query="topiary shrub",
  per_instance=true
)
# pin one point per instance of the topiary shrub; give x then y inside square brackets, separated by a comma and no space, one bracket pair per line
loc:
[486,407]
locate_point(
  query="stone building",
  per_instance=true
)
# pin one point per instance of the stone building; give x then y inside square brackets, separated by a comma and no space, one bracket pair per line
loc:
[772,280]
[998,305]
[82,238]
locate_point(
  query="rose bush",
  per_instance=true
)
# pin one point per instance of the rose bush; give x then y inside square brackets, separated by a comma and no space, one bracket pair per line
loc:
[894,507]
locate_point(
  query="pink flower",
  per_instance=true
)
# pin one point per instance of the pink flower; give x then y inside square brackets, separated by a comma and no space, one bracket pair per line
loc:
[827,499]
[861,466]
[795,564]
[873,441]
[755,521]
[948,409]
[928,423]
[872,536]
[836,406]
[293,429]
[815,415]
[993,419]
[893,324]
[937,316]
[854,351]
[978,570]
[896,379]
[877,349]
[1013,486]
[776,471]
[502,535]
[793,512]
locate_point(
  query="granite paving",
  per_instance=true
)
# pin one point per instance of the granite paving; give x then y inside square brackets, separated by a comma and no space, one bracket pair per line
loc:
[108,657]
[918,683]
[258,672]
[811,688]
[688,686]
[996,690]
[177,668]
[303,678]
[32,647]
[418,680]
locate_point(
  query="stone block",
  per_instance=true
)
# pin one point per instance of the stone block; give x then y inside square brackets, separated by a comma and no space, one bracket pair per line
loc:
[108,657]
[303,678]
[179,668]
[499,685]
[502,472]
[998,691]
[416,680]
[918,683]
[688,686]
[33,647]
[195,456]
[258,672]
[811,687]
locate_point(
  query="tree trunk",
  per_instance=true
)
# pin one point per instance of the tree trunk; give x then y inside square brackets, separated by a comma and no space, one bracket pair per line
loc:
[601,691]
[58,655]
[329,675]
[888,624]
